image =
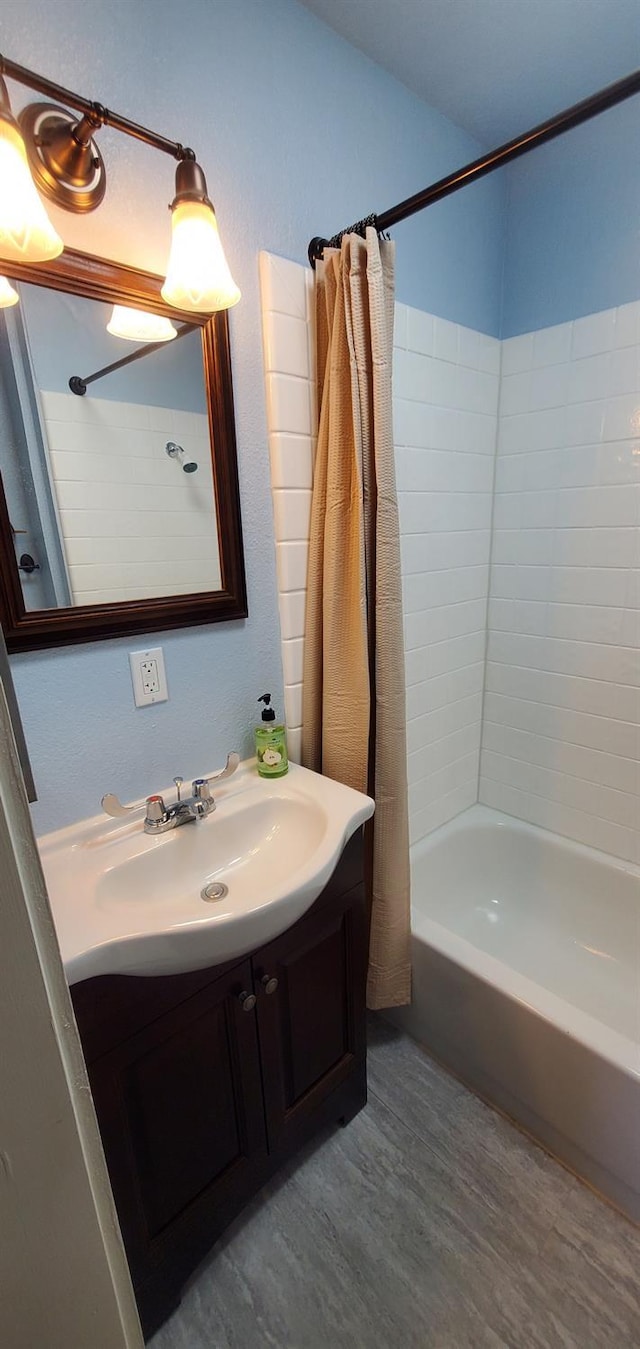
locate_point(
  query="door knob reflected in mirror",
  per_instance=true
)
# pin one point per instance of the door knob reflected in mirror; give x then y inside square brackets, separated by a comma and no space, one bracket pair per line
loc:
[28,564]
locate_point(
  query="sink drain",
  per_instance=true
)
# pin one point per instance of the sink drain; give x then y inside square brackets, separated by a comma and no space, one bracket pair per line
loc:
[214,890]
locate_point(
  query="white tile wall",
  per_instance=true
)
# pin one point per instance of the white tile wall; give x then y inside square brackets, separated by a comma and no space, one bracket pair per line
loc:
[445,408]
[289,362]
[561,726]
[134,525]
[446,380]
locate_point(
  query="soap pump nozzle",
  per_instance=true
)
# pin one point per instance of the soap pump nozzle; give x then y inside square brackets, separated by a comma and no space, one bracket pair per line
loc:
[268,713]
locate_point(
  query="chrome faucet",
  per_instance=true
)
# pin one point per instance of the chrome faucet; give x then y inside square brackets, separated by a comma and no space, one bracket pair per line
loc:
[159,818]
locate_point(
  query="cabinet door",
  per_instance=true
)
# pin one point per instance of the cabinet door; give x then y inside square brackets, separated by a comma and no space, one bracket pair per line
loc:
[311,1022]
[181,1116]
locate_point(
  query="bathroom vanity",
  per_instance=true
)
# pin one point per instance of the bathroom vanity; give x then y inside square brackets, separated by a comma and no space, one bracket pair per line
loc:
[205,1082]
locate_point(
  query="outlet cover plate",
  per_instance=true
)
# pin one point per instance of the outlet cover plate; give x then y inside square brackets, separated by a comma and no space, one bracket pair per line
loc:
[148,676]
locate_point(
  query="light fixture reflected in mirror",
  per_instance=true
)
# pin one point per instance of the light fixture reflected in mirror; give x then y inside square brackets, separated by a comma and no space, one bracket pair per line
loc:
[198,275]
[26,233]
[8,295]
[138,325]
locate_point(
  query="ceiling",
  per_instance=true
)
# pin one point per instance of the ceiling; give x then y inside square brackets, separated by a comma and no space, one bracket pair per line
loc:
[495,67]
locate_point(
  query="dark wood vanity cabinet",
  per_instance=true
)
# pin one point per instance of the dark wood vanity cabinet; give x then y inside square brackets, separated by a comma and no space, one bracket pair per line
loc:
[179,1105]
[312,1027]
[205,1083]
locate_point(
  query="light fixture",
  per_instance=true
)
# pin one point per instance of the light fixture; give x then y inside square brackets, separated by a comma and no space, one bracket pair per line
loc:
[65,162]
[198,276]
[8,295]
[137,325]
[26,233]
[59,148]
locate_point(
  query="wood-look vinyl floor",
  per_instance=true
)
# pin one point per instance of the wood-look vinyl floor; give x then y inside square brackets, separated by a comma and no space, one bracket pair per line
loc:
[428,1223]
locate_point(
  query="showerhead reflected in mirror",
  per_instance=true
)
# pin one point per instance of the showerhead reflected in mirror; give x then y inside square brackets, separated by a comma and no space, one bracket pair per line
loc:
[176,452]
[93,492]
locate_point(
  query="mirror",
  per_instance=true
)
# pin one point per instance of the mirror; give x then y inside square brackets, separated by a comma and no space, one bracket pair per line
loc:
[119,508]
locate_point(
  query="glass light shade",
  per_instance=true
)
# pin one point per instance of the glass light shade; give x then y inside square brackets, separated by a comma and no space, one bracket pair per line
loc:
[8,295]
[137,325]
[26,232]
[198,276]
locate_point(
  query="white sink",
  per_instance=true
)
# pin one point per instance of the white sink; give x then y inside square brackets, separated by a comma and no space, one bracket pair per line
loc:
[127,903]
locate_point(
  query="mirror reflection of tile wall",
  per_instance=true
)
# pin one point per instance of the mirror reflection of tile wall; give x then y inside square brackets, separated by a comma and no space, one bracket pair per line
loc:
[101,513]
[134,526]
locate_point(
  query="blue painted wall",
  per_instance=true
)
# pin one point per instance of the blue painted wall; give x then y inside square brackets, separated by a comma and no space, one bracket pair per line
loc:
[573,224]
[299,134]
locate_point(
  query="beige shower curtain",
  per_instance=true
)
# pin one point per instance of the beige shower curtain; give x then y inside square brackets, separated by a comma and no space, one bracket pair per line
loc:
[353,690]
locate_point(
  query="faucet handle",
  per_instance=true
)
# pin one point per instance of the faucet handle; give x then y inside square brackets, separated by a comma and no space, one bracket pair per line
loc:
[233,760]
[203,800]
[156,810]
[201,787]
[154,807]
[112,806]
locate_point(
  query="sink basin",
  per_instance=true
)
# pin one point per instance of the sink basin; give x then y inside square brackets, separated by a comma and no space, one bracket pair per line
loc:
[125,902]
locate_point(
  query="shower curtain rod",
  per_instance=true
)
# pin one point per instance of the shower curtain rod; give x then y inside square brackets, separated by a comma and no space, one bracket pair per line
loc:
[545,131]
[78,383]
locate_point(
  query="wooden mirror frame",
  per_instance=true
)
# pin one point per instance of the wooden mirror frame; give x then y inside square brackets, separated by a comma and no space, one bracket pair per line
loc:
[99,279]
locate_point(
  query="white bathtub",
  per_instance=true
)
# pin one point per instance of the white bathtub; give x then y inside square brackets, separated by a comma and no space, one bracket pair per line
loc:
[526,982]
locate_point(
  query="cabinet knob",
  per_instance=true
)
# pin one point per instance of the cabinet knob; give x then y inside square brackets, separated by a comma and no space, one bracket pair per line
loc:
[269,983]
[247,1001]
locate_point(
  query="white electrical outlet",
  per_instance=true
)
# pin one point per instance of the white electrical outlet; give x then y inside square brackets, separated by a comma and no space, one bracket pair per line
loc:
[148,676]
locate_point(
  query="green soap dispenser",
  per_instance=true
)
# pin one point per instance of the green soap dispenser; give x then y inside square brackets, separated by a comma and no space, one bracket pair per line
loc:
[271,743]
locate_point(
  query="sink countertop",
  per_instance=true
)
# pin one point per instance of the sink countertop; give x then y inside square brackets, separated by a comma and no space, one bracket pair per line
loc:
[130,903]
